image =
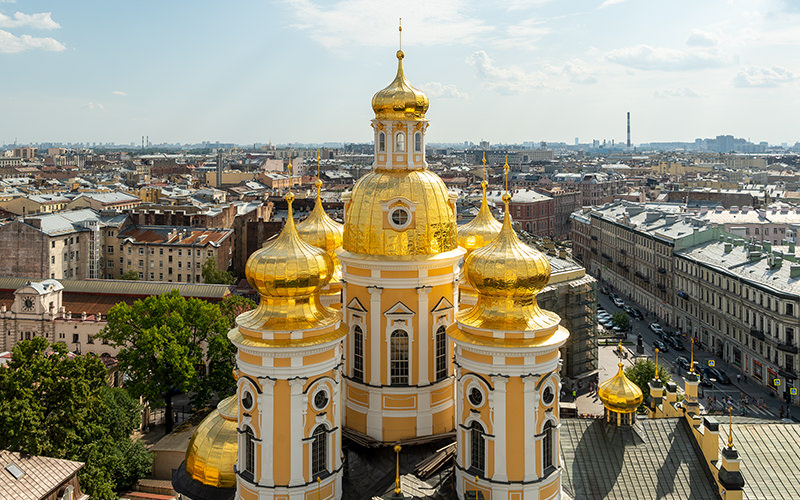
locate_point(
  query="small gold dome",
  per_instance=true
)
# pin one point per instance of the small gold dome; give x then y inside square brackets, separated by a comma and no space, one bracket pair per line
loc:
[212,452]
[400,101]
[430,224]
[619,394]
[481,230]
[507,274]
[319,230]
[288,273]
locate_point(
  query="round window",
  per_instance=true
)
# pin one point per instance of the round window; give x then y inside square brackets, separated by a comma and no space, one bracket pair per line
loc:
[548,395]
[320,400]
[247,401]
[475,396]
[400,217]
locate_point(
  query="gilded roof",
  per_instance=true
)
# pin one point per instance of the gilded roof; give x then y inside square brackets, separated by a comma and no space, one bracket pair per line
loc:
[212,452]
[319,230]
[400,101]
[481,230]
[620,394]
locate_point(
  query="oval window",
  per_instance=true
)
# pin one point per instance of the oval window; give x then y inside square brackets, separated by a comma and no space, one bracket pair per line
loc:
[400,218]
[320,400]
[475,396]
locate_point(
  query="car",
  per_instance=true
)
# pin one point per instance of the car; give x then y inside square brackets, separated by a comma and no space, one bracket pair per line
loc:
[721,377]
[607,323]
[675,342]
[612,296]
[604,290]
[682,363]
[705,381]
[661,346]
[638,314]
[656,328]
[628,309]
[618,302]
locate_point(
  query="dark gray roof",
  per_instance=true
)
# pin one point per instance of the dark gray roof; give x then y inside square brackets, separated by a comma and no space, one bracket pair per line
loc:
[653,460]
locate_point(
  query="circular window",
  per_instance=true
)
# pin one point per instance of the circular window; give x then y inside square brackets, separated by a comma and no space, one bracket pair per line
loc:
[320,400]
[247,401]
[548,395]
[475,396]
[400,217]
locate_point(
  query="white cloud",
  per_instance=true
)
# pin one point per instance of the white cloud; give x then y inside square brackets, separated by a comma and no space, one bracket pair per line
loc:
[369,23]
[509,80]
[10,44]
[94,106]
[523,35]
[578,72]
[438,89]
[41,21]
[119,93]
[609,3]
[700,38]
[645,57]
[512,5]
[759,76]
[671,93]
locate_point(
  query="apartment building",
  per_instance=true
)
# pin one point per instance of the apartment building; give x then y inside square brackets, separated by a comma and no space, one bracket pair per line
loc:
[105,201]
[36,204]
[772,224]
[533,211]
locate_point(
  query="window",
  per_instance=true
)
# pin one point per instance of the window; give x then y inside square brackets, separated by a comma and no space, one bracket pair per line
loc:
[110,248]
[475,397]
[250,451]
[400,142]
[358,354]
[320,400]
[141,251]
[52,244]
[547,446]
[790,309]
[319,462]
[381,142]
[160,251]
[441,354]
[400,218]
[478,448]
[399,358]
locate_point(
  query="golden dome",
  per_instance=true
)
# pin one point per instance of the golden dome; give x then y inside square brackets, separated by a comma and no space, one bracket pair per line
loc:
[212,452]
[319,230]
[481,230]
[400,101]
[288,273]
[430,224]
[507,274]
[620,394]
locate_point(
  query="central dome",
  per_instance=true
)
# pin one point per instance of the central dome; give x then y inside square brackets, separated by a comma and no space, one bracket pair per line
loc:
[400,101]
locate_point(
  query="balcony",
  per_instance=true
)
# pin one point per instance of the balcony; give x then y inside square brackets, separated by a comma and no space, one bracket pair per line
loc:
[791,348]
[661,270]
[759,334]
[594,238]
[787,374]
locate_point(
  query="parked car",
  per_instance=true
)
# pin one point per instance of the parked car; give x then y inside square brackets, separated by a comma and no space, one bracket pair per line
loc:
[628,309]
[661,346]
[604,290]
[656,328]
[638,314]
[705,381]
[675,342]
[607,323]
[682,363]
[721,377]
[618,302]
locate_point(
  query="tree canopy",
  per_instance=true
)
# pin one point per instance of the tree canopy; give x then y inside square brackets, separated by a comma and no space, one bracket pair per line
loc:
[621,320]
[162,340]
[56,404]
[130,275]
[642,372]
[212,274]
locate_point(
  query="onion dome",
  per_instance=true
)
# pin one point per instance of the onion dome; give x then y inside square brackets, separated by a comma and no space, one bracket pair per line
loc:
[319,230]
[400,101]
[619,394]
[212,452]
[400,213]
[507,274]
[481,230]
[288,273]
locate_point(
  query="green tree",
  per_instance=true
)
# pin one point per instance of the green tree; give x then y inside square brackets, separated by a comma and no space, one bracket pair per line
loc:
[234,305]
[212,274]
[56,404]
[161,341]
[642,372]
[130,275]
[621,320]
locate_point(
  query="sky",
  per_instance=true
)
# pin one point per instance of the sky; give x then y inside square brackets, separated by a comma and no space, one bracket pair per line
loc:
[304,71]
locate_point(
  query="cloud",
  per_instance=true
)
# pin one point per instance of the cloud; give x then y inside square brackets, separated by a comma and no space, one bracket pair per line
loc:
[577,72]
[367,23]
[523,35]
[120,93]
[41,21]
[512,5]
[94,106]
[609,3]
[438,89]
[760,76]
[700,38]
[673,93]
[511,80]
[649,58]
[10,44]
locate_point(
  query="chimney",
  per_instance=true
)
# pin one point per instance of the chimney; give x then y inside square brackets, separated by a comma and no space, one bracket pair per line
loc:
[728,247]
[794,271]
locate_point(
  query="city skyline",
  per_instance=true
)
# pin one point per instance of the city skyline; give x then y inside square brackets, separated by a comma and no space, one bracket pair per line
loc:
[297,71]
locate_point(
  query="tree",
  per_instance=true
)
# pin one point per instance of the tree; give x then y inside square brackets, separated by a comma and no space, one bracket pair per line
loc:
[161,341]
[56,404]
[212,274]
[234,305]
[130,275]
[621,320]
[642,372]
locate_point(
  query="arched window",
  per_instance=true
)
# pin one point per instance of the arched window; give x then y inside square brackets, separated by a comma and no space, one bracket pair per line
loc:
[399,358]
[441,353]
[400,142]
[249,451]
[417,142]
[319,452]
[477,448]
[381,142]
[358,354]
[547,446]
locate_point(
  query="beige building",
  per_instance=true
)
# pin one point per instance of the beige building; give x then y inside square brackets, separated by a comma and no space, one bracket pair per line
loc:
[105,201]
[36,204]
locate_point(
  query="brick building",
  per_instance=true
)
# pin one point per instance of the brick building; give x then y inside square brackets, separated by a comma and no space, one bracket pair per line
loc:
[533,211]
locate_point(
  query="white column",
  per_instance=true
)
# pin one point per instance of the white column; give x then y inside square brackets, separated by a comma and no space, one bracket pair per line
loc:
[296,423]
[500,413]
[424,362]
[373,336]
[529,404]
[266,407]
[459,394]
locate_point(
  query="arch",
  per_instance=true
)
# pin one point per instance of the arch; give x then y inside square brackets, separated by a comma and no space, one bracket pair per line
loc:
[381,142]
[319,452]
[440,344]
[358,354]
[417,142]
[477,448]
[548,446]
[398,351]
[400,142]
[249,451]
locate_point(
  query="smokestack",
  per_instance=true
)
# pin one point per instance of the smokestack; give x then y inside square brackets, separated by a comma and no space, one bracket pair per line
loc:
[629,129]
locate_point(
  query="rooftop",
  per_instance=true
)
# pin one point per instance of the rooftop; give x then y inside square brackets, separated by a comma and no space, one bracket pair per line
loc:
[39,475]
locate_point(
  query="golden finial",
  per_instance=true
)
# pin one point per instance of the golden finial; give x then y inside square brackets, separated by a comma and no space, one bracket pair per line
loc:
[656,363]
[476,487]
[505,168]
[318,182]
[484,165]
[730,427]
[319,488]
[290,168]
[397,449]
[691,362]
[400,33]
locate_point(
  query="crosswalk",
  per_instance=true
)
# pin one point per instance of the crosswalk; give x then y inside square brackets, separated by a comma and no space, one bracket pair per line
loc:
[750,410]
